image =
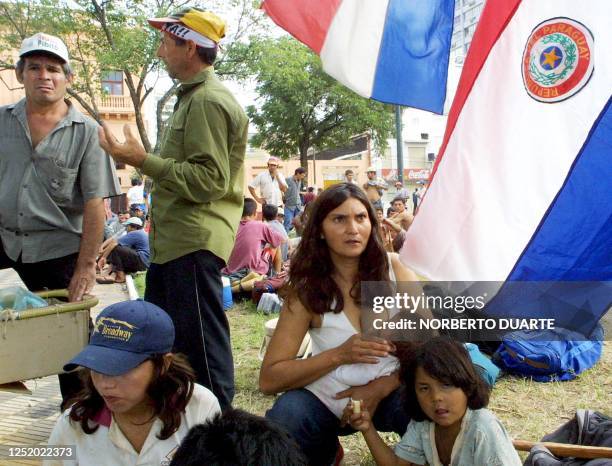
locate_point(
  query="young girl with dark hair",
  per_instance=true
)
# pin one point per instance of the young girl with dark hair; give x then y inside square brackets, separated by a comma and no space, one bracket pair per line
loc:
[340,248]
[446,398]
[139,400]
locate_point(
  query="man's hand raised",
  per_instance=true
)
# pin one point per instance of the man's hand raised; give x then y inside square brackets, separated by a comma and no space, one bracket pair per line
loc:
[130,152]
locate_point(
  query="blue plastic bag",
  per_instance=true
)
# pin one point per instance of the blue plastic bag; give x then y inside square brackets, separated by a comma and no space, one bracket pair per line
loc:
[19,299]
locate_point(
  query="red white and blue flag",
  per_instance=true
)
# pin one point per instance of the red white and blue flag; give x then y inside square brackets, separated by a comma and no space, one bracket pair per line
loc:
[394,51]
[522,187]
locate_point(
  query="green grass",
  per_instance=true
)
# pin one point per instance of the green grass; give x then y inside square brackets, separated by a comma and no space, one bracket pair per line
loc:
[527,409]
[247,326]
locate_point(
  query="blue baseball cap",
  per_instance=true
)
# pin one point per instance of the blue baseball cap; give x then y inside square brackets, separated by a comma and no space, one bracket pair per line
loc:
[125,335]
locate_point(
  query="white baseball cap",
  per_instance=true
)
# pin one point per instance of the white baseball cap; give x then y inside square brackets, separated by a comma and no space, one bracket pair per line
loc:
[45,43]
[133,221]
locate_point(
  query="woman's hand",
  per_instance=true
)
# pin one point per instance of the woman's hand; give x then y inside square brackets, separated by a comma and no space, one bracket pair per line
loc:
[358,350]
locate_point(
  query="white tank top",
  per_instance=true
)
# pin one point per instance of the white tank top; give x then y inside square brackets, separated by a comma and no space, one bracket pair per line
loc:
[335,329]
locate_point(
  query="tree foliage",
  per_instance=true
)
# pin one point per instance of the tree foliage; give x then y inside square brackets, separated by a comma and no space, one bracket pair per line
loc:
[302,107]
[105,35]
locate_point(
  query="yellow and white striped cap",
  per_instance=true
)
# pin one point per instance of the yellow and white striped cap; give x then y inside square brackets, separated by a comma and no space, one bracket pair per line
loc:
[206,29]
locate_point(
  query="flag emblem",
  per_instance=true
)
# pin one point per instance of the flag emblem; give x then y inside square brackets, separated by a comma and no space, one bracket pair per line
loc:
[558,60]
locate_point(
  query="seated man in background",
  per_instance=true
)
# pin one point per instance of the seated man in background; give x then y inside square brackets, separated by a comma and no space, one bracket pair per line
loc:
[385,230]
[402,218]
[137,211]
[254,249]
[127,254]
[270,214]
[115,226]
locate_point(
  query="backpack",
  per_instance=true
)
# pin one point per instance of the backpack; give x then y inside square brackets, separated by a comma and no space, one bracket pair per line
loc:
[550,355]
[586,428]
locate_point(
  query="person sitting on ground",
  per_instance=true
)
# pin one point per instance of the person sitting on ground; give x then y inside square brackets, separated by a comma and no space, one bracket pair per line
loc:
[447,399]
[401,219]
[340,248]
[299,222]
[137,211]
[115,226]
[398,241]
[309,196]
[238,438]
[269,214]
[139,400]
[384,230]
[254,249]
[127,254]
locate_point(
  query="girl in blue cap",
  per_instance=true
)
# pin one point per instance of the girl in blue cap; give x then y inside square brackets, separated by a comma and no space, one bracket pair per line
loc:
[139,400]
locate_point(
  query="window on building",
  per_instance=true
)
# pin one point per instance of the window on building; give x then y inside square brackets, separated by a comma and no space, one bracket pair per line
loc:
[456,39]
[112,82]
[472,15]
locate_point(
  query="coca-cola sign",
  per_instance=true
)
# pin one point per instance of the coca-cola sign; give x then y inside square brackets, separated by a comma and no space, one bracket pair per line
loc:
[418,174]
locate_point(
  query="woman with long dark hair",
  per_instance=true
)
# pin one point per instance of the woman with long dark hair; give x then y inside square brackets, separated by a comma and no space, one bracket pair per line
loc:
[340,248]
[139,400]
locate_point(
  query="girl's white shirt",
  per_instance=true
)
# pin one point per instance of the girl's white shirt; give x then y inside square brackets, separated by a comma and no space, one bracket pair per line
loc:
[107,446]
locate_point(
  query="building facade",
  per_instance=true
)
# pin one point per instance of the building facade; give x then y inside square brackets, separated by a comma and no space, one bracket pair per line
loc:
[467,14]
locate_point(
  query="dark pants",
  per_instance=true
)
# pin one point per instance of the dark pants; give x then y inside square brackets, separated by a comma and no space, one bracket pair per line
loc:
[53,274]
[189,289]
[316,429]
[125,259]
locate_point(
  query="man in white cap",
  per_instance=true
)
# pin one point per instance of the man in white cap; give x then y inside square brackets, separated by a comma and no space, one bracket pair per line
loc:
[196,200]
[374,188]
[54,178]
[271,184]
[127,254]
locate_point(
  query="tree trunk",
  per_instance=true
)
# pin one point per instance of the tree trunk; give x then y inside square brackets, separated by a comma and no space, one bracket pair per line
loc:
[304,146]
[141,128]
[304,157]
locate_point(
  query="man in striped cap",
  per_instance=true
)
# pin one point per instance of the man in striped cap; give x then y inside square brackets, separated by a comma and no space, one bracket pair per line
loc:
[196,197]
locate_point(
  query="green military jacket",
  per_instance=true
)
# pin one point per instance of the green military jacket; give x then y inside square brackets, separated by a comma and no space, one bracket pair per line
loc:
[197,195]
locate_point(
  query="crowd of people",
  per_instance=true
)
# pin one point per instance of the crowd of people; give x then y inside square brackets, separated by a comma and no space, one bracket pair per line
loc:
[155,384]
